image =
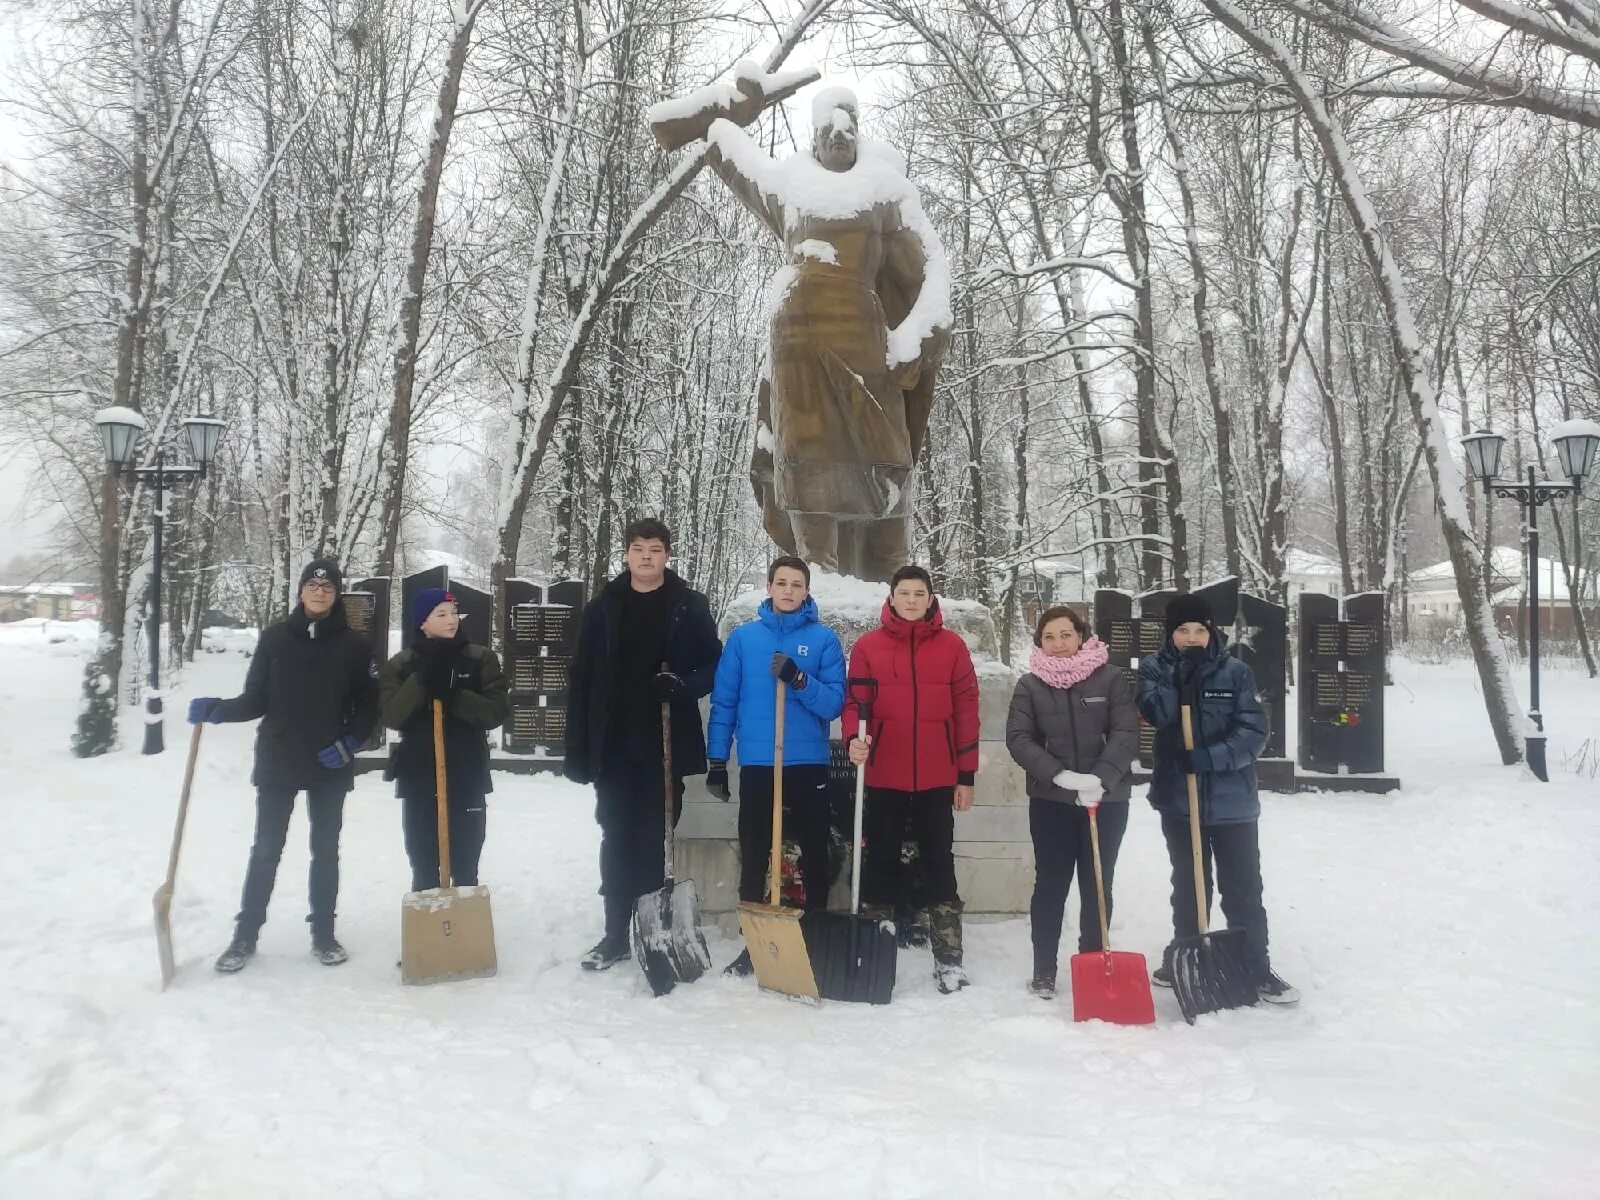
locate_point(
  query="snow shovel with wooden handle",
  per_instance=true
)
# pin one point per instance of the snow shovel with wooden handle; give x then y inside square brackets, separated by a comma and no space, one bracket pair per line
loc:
[446,932]
[162,901]
[666,923]
[853,957]
[772,933]
[1208,970]
[1109,985]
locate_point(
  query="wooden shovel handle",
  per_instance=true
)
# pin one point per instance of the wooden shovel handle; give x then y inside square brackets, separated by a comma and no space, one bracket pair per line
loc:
[666,784]
[183,806]
[777,796]
[1194,825]
[1099,877]
[440,793]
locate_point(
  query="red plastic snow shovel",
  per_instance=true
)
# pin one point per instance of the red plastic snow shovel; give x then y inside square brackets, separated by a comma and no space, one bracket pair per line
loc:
[162,901]
[1109,985]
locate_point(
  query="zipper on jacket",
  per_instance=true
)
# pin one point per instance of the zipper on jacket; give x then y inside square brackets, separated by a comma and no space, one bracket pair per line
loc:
[1072,726]
[915,700]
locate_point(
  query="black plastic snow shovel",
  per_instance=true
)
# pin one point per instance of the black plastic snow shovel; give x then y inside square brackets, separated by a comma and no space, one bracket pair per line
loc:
[853,957]
[1208,970]
[162,901]
[666,924]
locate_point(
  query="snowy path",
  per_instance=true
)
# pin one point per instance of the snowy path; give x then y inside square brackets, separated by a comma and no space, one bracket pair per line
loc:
[1448,1044]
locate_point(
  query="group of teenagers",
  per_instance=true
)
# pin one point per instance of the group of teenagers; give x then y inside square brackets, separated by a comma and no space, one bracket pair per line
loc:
[907,701]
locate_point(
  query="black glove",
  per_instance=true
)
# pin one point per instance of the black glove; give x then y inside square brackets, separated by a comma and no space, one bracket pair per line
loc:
[437,668]
[1190,662]
[717,781]
[784,668]
[668,686]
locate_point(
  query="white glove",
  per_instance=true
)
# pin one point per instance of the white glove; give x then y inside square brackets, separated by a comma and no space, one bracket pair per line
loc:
[1073,781]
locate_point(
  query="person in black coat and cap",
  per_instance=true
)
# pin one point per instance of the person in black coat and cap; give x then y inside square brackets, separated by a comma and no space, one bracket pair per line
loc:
[1194,667]
[314,685]
[441,664]
[647,640]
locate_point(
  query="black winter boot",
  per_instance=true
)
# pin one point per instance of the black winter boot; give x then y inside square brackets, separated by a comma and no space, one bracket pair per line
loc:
[239,952]
[606,953]
[325,948]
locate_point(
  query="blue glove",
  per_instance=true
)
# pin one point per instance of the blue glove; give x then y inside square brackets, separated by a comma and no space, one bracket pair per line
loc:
[1199,761]
[205,709]
[339,754]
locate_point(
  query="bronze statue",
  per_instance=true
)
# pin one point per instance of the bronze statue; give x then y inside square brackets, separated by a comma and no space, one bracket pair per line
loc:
[860,321]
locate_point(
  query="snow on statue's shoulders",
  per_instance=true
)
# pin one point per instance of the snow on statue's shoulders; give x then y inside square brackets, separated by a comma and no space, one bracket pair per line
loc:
[809,189]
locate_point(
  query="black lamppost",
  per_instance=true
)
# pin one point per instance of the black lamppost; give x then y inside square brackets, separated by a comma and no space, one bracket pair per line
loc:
[1576,444]
[119,434]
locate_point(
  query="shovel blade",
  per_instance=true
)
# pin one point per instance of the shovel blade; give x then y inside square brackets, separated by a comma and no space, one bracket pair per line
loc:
[1112,985]
[446,934]
[666,937]
[162,903]
[1209,973]
[852,958]
[778,950]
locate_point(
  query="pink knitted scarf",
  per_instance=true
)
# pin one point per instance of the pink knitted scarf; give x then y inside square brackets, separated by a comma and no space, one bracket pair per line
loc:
[1065,672]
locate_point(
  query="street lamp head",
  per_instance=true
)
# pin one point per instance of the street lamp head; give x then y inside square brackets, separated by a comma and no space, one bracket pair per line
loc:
[1577,443]
[1483,453]
[203,433]
[119,434]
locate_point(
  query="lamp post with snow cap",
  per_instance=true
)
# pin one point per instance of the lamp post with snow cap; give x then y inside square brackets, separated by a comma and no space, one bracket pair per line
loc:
[120,430]
[1576,443]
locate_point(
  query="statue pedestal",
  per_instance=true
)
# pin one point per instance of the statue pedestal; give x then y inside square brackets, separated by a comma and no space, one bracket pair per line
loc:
[993,850]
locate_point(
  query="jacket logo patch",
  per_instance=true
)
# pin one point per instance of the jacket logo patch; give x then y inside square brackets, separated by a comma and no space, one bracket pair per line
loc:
[1094,700]
[1217,694]
[803,651]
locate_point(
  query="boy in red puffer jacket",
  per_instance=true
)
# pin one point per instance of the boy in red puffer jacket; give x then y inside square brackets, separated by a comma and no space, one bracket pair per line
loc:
[921,755]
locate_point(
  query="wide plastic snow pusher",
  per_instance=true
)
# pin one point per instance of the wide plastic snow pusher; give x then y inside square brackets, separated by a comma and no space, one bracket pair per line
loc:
[772,933]
[445,932]
[1208,970]
[1109,985]
[853,957]
[162,901]
[666,923]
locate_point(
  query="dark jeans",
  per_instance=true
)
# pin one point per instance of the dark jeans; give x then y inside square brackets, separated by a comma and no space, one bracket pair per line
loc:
[1061,845]
[1236,852]
[325,805]
[419,821]
[806,816]
[631,805]
[885,881]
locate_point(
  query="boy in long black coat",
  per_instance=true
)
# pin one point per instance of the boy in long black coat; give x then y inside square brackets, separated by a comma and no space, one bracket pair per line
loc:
[647,639]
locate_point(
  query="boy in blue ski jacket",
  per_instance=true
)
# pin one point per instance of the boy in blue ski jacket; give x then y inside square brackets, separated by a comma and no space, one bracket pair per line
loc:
[1194,667]
[785,642]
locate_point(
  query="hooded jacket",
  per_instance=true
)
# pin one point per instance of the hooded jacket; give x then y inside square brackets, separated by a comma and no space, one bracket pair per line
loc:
[311,683]
[692,649]
[1230,724]
[476,704]
[918,679]
[744,699]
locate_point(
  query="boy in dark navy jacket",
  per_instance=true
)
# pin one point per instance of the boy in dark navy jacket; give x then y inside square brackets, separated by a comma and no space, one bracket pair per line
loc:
[1230,730]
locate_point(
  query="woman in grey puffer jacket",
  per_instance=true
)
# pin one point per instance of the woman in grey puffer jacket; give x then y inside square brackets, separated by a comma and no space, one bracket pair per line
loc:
[1074,728]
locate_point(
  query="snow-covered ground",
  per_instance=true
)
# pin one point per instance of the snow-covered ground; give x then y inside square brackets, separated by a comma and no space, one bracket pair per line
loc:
[1448,1043]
